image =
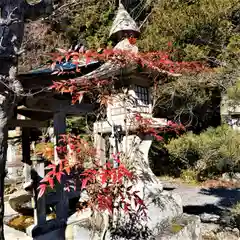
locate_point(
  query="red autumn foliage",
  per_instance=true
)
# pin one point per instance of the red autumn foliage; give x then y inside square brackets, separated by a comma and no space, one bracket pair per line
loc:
[154,61]
[106,185]
[157,60]
[148,126]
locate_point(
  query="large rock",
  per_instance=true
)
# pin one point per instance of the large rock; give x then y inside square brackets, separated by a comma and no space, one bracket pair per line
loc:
[209,218]
[20,201]
[184,227]
[162,206]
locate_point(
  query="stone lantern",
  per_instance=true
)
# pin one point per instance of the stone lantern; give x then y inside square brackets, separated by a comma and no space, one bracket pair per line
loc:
[132,95]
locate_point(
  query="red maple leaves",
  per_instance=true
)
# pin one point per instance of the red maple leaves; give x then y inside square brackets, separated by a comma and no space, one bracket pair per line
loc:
[146,126]
[105,184]
[108,187]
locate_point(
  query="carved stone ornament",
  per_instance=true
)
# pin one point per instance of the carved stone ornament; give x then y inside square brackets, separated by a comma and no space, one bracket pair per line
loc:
[123,24]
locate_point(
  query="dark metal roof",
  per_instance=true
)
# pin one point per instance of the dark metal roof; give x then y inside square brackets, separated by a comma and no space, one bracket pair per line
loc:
[43,77]
[65,66]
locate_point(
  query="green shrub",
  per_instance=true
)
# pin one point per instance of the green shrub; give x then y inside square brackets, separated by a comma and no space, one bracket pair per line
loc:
[189,176]
[236,209]
[233,93]
[211,153]
[205,25]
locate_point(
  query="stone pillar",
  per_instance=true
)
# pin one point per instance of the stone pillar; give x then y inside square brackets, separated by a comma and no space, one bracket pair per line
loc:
[12,168]
[137,153]
[26,155]
[99,144]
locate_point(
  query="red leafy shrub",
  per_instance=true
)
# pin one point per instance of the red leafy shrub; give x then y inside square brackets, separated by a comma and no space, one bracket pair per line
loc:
[151,126]
[108,187]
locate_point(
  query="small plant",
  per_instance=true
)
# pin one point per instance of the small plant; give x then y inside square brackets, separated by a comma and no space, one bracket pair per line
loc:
[189,176]
[109,188]
[175,228]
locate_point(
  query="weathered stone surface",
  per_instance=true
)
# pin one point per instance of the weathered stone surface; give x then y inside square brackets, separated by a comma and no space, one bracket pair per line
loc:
[12,234]
[235,177]
[20,201]
[162,206]
[185,227]
[236,232]
[222,234]
[209,218]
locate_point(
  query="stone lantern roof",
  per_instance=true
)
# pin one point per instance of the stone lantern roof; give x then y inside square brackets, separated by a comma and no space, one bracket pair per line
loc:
[123,25]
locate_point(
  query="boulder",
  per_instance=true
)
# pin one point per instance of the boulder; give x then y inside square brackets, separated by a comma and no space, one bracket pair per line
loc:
[234,177]
[184,227]
[21,202]
[209,218]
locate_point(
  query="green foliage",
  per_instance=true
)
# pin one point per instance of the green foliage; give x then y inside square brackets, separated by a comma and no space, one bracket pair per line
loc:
[189,176]
[233,92]
[202,26]
[205,30]
[78,123]
[213,152]
[88,20]
[79,126]
[194,52]
[234,44]
[236,209]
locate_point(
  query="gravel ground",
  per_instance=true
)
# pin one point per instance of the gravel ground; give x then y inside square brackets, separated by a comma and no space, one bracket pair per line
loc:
[198,196]
[197,200]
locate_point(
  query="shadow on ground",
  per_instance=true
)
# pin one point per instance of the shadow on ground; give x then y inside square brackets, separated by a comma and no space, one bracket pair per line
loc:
[227,197]
[200,209]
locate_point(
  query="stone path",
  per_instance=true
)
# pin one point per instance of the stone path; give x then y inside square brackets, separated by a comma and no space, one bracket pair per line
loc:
[198,197]
[211,205]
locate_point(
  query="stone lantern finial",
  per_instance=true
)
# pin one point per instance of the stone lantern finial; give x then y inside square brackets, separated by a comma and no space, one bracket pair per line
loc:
[123,25]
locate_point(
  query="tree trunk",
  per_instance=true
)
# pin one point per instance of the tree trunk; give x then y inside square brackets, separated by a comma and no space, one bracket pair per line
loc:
[12,16]
[3,153]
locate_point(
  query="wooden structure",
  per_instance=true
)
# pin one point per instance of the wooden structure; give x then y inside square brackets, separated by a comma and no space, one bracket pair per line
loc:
[41,106]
